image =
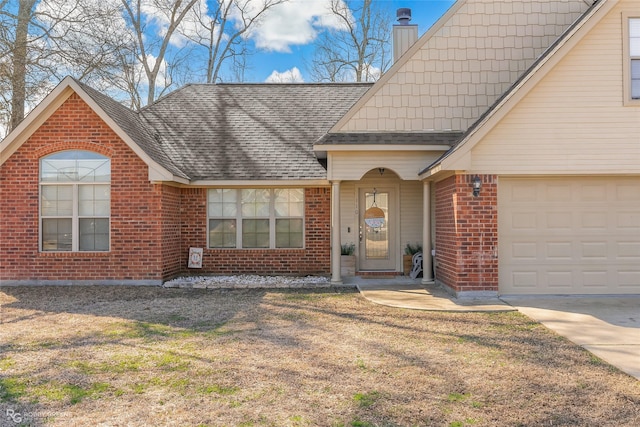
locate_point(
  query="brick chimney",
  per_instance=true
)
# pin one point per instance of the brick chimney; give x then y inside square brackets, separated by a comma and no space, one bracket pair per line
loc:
[404,33]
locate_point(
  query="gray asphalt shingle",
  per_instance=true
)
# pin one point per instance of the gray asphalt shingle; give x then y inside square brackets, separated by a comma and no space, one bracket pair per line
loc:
[248,131]
[129,121]
[390,138]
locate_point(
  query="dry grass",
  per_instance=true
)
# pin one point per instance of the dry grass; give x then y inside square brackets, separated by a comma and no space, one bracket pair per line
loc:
[150,356]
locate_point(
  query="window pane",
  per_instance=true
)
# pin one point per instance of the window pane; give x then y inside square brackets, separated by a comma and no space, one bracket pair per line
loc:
[255,203]
[222,233]
[634,37]
[635,69]
[289,202]
[634,47]
[94,170]
[255,233]
[94,200]
[59,170]
[94,234]
[74,166]
[634,27]
[57,200]
[56,234]
[222,203]
[289,233]
[635,79]
[635,89]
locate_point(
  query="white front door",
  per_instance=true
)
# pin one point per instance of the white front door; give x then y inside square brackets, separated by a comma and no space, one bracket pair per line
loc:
[377,240]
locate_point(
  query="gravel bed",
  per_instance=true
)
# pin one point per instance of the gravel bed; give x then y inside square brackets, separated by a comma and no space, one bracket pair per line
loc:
[245,281]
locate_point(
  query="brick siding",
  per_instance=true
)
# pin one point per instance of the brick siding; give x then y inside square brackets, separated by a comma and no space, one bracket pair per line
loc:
[152,225]
[136,244]
[313,259]
[467,234]
[170,231]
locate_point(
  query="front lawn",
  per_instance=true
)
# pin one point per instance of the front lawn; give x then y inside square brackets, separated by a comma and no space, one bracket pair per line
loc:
[140,356]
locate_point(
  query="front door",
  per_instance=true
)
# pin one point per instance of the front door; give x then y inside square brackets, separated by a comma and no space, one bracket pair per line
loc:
[377,231]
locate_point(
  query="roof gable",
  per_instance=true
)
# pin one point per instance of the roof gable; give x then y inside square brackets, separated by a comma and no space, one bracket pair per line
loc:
[106,108]
[459,157]
[461,65]
[234,132]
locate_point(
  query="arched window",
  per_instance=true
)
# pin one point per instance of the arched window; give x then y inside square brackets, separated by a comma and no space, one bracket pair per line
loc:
[75,201]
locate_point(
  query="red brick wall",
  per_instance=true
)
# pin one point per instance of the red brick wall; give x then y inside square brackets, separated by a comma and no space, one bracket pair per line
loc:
[171,239]
[136,245]
[313,259]
[446,242]
[152,225]
[467,234]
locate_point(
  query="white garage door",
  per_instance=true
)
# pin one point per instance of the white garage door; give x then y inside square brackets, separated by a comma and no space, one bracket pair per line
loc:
[569,235]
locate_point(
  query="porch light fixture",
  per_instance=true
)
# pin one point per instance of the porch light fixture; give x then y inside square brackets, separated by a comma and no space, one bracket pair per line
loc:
[476,182]
[381,170]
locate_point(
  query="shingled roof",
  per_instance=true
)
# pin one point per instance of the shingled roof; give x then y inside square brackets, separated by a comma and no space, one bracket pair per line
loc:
[248,131]
[446,139]
[129,121]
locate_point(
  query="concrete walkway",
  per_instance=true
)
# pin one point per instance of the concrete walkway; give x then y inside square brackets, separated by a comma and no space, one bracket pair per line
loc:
[403,292]
[606,326]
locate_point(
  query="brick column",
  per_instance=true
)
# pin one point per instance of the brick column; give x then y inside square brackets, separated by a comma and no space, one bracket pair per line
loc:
[467,235]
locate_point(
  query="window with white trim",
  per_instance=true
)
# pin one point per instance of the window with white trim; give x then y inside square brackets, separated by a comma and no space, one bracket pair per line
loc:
[75,202]
[634,57]
[256,218]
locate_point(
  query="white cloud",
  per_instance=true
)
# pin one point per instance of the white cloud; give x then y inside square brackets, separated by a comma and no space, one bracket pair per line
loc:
[292,23]
[296,22]
[290,76]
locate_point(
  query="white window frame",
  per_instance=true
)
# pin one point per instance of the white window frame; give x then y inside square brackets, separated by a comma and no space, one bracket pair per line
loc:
[75,216]
[272,219]
[626,69]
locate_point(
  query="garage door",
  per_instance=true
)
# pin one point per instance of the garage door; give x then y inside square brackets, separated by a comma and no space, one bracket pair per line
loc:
[569,236]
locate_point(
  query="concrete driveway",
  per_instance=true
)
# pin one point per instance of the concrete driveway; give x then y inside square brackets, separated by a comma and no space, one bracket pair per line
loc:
[608,327]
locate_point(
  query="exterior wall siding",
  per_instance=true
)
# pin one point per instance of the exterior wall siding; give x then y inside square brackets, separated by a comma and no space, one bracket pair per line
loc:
[314,258]
[349,223]
[574,120]
[411,215]
[465,66]
[353,165]
[171,239]
[135,248]
[467,235]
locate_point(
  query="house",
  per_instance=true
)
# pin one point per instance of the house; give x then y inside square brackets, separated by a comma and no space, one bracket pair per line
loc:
[506,140]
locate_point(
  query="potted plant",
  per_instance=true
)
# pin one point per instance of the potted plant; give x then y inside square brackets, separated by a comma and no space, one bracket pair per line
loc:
[348,259]
[409,251]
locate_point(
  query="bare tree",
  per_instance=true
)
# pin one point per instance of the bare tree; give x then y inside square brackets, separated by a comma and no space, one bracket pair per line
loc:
[152,47]
[40,41]
[18,83]
[359,50]
[223,24]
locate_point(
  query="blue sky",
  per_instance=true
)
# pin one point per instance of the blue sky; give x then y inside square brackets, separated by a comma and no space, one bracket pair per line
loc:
[263,64]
